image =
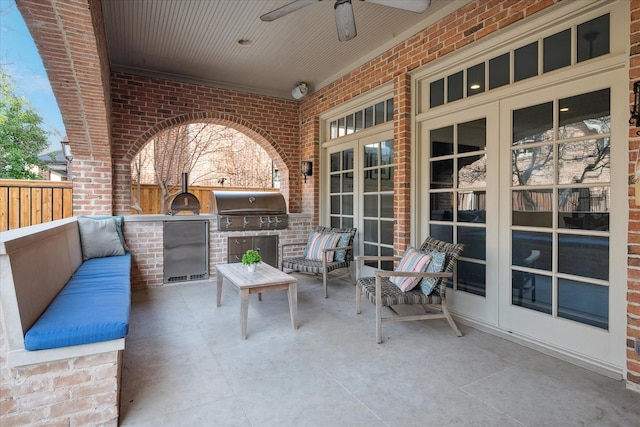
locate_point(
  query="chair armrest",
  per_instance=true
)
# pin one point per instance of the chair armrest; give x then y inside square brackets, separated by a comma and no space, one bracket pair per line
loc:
[377,258]
[293,244]
[385,273]
[343,248]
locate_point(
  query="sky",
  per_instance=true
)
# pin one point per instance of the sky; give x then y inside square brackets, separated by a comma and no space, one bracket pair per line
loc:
[19,57]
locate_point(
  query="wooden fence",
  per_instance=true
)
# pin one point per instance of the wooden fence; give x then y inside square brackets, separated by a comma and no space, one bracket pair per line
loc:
[150,196]
[24,203]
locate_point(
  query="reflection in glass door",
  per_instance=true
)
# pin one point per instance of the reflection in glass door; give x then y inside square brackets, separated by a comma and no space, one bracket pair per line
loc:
[457,197]
[560,202]
[377,196]
[341,188]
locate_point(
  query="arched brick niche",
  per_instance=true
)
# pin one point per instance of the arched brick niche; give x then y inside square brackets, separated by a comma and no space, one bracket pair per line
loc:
[143,106]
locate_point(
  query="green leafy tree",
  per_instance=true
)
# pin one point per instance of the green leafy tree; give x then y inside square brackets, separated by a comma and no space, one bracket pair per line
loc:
[21,137]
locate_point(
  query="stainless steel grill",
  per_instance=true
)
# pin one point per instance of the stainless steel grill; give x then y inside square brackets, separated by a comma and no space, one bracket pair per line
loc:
[248,210]
[185,201]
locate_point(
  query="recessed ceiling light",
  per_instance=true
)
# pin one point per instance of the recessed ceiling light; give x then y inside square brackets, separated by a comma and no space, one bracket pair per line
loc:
[244,42]
[474,86]
[564,109]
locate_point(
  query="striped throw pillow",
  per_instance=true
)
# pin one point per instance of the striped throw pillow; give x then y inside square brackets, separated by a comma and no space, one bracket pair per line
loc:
[412,261]
[319,241]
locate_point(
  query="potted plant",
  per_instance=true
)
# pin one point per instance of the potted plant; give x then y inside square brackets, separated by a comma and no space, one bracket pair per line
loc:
[251,258]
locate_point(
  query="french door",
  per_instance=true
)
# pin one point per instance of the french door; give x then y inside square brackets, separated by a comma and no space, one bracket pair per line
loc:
[459,202]
[562,257]
[531,184]
[361,193]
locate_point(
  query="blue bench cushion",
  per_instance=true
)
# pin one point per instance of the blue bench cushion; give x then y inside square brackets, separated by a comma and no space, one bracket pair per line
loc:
[93,306]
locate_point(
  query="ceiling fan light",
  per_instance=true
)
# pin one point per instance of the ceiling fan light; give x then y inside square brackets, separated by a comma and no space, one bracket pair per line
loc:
[345,22]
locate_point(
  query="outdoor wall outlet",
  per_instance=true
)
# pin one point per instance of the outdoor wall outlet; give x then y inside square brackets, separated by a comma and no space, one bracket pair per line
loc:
[637,346]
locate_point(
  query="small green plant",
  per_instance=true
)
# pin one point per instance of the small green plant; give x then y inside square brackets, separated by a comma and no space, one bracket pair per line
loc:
[251,257]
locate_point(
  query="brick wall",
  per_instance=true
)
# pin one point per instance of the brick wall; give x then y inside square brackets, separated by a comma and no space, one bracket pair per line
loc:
[633,283]
[144,238]
[74,392]
[143,106]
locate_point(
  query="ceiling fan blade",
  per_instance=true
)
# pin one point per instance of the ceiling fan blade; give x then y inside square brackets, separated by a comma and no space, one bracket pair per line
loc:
[345,22]
[417,6]
[286,9]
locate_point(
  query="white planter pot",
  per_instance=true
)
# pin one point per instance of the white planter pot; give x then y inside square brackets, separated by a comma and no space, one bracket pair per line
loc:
[251,267]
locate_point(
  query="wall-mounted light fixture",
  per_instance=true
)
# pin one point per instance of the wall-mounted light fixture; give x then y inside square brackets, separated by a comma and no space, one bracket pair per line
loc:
[300,90]
[66,152]
[635,113]
[307,169]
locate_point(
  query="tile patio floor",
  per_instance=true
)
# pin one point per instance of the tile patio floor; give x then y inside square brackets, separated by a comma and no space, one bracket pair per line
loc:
[186,365]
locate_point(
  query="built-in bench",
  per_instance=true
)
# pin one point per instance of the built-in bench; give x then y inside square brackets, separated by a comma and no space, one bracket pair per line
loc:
[66,296]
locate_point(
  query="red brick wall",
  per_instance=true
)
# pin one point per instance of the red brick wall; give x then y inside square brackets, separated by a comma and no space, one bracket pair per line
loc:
[74,392]
[143,106]
[468,24]
[633,283]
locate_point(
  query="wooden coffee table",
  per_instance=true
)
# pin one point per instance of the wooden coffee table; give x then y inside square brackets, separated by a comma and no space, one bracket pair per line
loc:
[265,278]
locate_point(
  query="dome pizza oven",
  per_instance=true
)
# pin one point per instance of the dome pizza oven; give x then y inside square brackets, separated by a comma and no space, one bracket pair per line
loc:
[185,201]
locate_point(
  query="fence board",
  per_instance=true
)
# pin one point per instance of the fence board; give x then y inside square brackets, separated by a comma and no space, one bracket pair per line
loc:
[24,202]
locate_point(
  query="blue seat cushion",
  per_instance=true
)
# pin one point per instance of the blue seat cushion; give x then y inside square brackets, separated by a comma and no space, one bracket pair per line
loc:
[93,306]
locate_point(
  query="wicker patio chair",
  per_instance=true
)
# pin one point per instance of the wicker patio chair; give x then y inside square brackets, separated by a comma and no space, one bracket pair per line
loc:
[381,292]
[302,265]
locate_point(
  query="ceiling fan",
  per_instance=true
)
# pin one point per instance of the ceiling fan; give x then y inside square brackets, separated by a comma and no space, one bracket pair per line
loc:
[345,21]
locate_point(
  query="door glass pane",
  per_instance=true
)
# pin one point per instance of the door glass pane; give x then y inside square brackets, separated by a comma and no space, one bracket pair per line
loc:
[532,291]
[531,249]
[472,136]
[472,172]
[525,62]
[335,222]
[436,93]
[532,208]
[335,204]
[335,183]
[584,161]
[386,265]
[475,79]
[532,165]
[371,180]
[371,230]
[386,179]
[586,256]
[386,152]
[533,124]
[441,141]
[347,182]
[370,155]
[584,114]
[441,232]
[593,38]
[472,206]
[371,205]
[386,205]
[454,86]
[471,277]
[474,240]
[583,302]
[347,159]
[333,129]
[556,51]
[347,222]
[442,174]
[499,71]
[584,208]
[386,232]
[347,205]
[335,162]
[441,207]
